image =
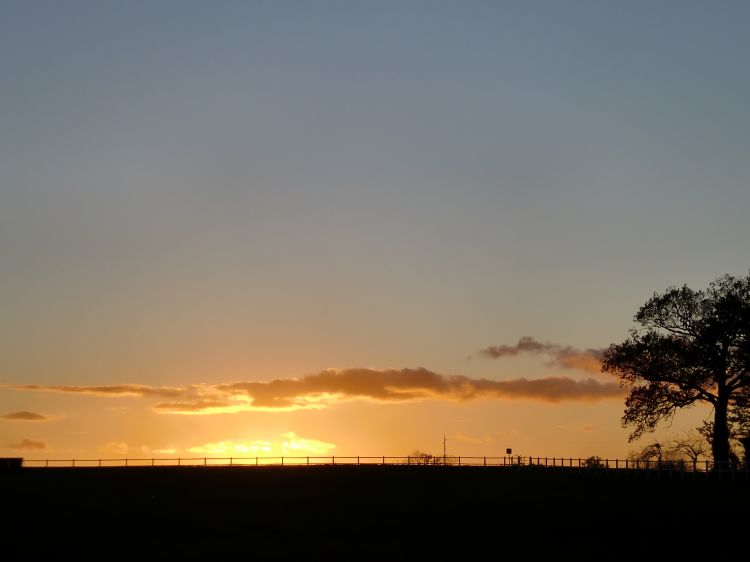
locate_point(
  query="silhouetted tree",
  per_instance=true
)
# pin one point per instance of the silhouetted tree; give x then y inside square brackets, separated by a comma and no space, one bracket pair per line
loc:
[690,346]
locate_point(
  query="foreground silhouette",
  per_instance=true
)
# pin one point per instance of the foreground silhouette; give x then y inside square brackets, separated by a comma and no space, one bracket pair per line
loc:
[690,346]
[362,512]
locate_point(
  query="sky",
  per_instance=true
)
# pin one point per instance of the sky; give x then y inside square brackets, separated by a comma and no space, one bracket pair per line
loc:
[351,228]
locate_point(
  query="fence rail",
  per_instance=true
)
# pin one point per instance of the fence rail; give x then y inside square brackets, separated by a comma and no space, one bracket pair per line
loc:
[590,464]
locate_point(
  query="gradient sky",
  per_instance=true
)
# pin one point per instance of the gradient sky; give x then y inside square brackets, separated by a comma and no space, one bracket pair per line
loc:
[201,193]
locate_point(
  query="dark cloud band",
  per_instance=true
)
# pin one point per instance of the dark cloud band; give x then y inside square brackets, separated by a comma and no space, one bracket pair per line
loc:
[328,387]
[24,416]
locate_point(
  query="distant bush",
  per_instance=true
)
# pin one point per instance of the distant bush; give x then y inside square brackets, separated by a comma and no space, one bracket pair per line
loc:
[594,462]
[421,458]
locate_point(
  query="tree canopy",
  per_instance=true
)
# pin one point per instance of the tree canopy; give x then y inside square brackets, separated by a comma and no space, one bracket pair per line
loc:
[689,346]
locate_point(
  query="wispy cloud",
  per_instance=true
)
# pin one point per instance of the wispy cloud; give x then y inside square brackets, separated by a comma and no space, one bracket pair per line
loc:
[474,440]
[25,416]
[567,357]
[28,445]
[329,387]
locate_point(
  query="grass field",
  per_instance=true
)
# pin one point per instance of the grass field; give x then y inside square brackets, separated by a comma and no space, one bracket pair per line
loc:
[370,512]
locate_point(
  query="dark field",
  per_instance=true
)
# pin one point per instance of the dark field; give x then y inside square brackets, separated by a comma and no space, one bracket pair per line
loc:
[371,512]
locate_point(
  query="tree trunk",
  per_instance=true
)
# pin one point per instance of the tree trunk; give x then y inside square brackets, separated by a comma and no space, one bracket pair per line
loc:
[720,443]
[746,445]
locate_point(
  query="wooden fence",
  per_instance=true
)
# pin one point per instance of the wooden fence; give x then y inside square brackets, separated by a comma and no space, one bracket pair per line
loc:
[590,464]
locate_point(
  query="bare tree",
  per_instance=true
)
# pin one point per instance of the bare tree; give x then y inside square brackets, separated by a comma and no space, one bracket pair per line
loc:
[691,444]
[421,457]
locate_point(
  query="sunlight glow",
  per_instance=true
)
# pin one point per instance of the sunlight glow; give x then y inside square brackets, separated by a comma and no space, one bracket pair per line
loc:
[291,445]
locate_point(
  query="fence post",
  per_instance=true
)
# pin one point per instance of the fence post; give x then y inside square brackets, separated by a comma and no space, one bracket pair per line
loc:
[333,460]
[485,461]
[230,461]
[308,461]
[459,460]
[126,461]
[179,461]
[152,461]
[100,463]
[73,463]
[357,460]
[384,460]
[282,460]
[204,461]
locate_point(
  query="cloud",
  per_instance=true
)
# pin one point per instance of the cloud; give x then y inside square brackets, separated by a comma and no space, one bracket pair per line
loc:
[165,451]
[566,357]
[115,447]
[320,390]
[28,445]
[24,416]
[294,444]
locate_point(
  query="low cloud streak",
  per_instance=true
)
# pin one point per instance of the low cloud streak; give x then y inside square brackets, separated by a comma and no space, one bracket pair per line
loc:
[28,445]
[24,416]
[120,390]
